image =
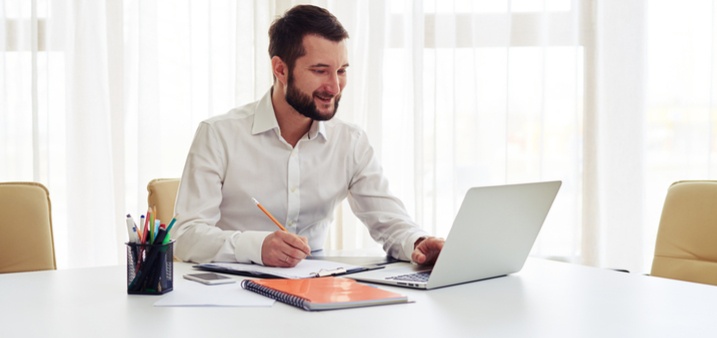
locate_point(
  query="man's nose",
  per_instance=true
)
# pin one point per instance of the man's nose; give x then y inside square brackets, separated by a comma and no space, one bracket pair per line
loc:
[333,85]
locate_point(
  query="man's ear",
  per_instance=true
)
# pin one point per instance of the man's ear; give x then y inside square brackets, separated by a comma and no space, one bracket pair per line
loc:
[279,69]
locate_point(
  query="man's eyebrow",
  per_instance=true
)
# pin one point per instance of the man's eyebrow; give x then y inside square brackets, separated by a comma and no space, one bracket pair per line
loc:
[323,65]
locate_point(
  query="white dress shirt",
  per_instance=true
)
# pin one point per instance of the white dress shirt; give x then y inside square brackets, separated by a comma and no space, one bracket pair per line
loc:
[241,154]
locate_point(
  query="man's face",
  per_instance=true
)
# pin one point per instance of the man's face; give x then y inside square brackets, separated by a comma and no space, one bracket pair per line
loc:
[315,83]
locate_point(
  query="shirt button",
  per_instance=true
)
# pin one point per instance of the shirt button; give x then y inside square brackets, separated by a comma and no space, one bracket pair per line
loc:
[293,189]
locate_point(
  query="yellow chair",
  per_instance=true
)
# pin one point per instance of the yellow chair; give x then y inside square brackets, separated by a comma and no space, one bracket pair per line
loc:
[26,242]
[162,194]
[686,246]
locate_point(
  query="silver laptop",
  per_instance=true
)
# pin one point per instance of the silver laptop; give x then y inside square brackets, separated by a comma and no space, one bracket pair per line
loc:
[491,236]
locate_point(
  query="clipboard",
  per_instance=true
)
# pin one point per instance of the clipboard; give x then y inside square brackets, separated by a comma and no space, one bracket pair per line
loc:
[305,269]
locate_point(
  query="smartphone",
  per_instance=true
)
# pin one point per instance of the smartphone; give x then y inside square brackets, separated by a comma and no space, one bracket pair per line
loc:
[209,278]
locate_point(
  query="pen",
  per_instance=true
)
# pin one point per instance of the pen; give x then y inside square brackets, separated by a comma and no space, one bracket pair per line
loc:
[161,235]
[168,238]
[151,224]
[157,223]
[145,232]
[171,223]
[267,213]
[131,232]
[140,229]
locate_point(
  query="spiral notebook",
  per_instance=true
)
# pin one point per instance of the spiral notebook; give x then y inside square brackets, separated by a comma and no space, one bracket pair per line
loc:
[325,293]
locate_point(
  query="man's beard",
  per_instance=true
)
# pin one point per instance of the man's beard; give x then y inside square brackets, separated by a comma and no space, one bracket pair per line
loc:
[305,104]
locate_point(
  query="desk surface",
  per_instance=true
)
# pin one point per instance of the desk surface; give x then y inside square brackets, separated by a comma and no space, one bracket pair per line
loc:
[545,299]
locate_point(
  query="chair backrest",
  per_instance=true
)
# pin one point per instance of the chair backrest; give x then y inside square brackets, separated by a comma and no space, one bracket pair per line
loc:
[26,242]
[686,246]
[162,194]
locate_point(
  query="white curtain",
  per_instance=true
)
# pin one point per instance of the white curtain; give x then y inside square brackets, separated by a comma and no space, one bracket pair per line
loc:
[614,98]
[58,120]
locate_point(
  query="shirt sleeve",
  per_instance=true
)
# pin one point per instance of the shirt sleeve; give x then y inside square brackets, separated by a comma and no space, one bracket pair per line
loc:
[198,239]
[383,213]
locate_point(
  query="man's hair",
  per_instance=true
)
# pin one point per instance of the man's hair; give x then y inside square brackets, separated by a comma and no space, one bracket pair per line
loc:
[286,33]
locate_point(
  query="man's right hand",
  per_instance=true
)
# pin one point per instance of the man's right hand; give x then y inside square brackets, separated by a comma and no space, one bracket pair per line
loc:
[284,249]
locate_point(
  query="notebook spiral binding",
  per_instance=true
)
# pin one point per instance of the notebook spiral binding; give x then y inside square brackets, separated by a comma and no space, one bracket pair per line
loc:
[273,294]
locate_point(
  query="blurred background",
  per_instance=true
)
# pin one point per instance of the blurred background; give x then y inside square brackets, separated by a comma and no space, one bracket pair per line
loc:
[615,98]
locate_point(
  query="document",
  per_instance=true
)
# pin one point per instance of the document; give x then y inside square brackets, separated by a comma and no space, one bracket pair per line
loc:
[188,293]
[307,268]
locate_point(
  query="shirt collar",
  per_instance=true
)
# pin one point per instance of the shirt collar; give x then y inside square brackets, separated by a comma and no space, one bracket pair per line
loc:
[264,117]
[265,120]
[318,128]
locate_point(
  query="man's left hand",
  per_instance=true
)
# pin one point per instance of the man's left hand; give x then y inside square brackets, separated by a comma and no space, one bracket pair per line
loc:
[426,250]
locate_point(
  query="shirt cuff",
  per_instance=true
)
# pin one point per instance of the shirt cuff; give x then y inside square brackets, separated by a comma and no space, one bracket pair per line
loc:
[247,246]
[408,245]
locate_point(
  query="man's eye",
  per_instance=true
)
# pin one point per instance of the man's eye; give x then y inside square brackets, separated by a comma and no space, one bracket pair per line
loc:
[318,71]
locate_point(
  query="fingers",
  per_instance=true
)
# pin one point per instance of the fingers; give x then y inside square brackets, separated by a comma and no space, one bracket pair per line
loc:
[284,249]
[300,243]
[427,251]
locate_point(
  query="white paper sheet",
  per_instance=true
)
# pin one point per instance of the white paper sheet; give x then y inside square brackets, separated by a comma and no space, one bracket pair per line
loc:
[189,293]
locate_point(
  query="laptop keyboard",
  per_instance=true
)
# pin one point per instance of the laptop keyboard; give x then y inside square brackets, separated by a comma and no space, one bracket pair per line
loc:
[413,277]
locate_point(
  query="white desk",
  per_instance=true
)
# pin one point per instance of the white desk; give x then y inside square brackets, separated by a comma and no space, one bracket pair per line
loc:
[546,299]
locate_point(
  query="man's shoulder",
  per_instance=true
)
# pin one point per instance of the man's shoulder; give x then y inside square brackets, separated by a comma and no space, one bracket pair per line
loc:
[342,127]
[244,113]
[238,113]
